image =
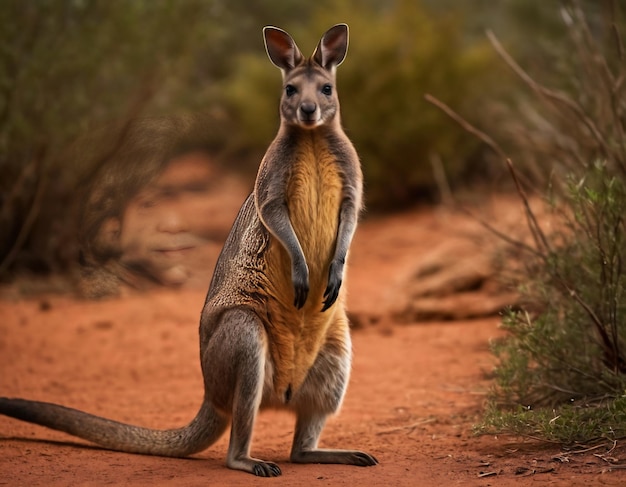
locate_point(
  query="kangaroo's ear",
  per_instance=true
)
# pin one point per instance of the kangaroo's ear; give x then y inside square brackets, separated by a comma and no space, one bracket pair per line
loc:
[281,48]
[332,48]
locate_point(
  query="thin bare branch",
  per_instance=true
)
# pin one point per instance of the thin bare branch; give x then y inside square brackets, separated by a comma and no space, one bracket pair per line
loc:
[540,238]
[615,31]
[409,427]
[30,219]
[580,25]
[530,215]
[555,96]
[615,360]
[612,81]
[466,125]
[439,173]
[511,241]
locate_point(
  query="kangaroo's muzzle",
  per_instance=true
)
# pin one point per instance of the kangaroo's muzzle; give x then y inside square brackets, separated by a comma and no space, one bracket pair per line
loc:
[309,114]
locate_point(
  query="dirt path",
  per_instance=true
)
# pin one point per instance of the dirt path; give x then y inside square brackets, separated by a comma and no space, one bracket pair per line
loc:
[415,393]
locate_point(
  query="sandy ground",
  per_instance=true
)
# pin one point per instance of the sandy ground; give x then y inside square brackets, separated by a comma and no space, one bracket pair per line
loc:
[416,389]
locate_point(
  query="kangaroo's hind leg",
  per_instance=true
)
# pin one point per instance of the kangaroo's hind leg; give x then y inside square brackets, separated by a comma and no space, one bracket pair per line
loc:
[320,396]
[234,366]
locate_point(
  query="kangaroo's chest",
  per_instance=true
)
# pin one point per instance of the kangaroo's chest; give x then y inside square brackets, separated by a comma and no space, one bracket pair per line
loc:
[313,198]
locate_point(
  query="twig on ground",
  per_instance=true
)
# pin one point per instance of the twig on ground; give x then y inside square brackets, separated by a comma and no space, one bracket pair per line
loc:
[409,427]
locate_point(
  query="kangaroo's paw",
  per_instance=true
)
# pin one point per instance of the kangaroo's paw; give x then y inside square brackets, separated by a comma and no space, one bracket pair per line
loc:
[300,278]
[255,466]
[335,274]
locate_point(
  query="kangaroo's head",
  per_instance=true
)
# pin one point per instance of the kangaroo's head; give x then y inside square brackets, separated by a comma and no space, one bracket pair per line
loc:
[309,97]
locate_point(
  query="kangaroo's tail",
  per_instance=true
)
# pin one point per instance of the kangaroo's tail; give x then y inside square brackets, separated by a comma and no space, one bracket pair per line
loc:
[204,429]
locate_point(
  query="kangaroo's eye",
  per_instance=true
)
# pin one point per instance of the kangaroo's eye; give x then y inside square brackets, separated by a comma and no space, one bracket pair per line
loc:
[327,90]
[290,90]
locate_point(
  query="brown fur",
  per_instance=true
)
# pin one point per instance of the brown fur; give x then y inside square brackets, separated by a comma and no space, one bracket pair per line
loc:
[314,195]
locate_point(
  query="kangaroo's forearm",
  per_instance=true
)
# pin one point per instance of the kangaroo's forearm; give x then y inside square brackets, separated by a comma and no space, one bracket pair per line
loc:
[348,217]
[275,217]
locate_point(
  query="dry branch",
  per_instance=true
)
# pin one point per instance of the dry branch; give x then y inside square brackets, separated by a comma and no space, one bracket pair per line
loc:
[538,235]
[555,96]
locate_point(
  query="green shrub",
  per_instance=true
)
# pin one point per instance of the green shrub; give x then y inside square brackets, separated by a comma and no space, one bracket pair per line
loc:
[573,347]
[561,370]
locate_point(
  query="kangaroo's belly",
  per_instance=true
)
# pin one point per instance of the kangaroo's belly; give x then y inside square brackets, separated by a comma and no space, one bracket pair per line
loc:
[314,199]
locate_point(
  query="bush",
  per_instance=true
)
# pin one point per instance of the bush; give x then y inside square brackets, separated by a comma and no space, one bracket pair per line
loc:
[67,68]
[574,347]
[561,371]
[573,114]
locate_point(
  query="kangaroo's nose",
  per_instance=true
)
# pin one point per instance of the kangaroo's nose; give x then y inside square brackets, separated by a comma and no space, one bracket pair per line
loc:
[308,108]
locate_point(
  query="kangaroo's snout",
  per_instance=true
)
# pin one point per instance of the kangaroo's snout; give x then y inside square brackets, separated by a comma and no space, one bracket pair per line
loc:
[309,113]
[308,108]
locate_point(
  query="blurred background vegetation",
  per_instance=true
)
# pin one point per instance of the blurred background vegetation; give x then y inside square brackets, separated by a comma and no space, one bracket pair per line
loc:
[71,68]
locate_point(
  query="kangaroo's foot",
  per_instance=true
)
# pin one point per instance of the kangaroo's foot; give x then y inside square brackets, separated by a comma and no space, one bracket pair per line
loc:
[305,450]
[254,466]
[345,457]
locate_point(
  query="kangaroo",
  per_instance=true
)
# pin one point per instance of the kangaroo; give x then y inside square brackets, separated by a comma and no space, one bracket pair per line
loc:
[273,329]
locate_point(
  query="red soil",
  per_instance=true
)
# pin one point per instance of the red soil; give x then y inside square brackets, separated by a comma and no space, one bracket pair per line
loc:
[416,388]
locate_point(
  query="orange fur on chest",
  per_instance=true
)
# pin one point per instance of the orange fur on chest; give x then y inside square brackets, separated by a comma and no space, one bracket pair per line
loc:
[313,198]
